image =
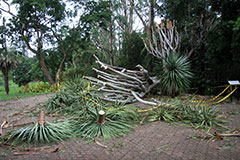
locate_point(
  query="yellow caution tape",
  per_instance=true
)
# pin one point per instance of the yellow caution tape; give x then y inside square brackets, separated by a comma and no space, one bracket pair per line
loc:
[150,109]
[213,97]
[204,103]
[227,95]
[220,86]
[224,98]
[91,100]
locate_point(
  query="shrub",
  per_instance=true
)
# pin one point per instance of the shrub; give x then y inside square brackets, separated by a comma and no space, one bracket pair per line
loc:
[40,87]
[175,72]
[202,117]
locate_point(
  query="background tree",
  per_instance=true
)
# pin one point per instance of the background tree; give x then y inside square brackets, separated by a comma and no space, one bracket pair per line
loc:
[8,56]
[223,44]
[32,24]
[98,18]
[64,38]
[208,38]
[133,53]
[7,60]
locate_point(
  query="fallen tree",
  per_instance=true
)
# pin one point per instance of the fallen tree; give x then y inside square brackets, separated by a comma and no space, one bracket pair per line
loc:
[122,85]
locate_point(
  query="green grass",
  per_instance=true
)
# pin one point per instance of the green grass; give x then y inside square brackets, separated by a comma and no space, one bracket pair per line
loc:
[14,92]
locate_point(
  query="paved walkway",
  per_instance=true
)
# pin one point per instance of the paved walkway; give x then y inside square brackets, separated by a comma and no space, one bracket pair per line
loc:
[157,140]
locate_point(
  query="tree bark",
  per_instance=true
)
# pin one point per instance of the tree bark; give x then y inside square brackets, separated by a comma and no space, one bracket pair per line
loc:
[111,44]
[150,18]
[5,68]
[38,53]
[130,18]
[60,68]
[45,70]
[5,72]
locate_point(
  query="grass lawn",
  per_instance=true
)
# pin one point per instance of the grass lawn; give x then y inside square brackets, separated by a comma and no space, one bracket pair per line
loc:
[14,92]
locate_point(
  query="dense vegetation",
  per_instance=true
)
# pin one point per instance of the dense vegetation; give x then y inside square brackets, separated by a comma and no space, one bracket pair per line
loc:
[62,40]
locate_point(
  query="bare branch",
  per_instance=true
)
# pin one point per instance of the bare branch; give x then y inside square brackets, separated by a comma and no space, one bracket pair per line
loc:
[143,101]
[9,9]
[112,91]
[197,37]
[138,14]
[118,83]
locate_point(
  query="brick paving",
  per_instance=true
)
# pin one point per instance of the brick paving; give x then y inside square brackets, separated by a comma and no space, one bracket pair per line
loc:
[152,141]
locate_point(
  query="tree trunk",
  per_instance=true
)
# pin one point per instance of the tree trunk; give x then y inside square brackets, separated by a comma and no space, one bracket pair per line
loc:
[5,74]
[125,6]
[60,68]
[129,29]
[44,68]
[130,21]
[150,18]
[38,54]
[111,44]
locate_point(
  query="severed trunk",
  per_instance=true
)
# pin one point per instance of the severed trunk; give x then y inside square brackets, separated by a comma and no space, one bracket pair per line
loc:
[100,119]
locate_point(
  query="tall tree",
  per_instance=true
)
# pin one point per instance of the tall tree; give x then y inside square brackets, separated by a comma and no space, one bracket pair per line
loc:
[33,23]
[223,53]
[98,18]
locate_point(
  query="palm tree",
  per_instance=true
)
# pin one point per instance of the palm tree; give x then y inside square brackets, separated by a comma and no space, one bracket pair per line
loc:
[8,58]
